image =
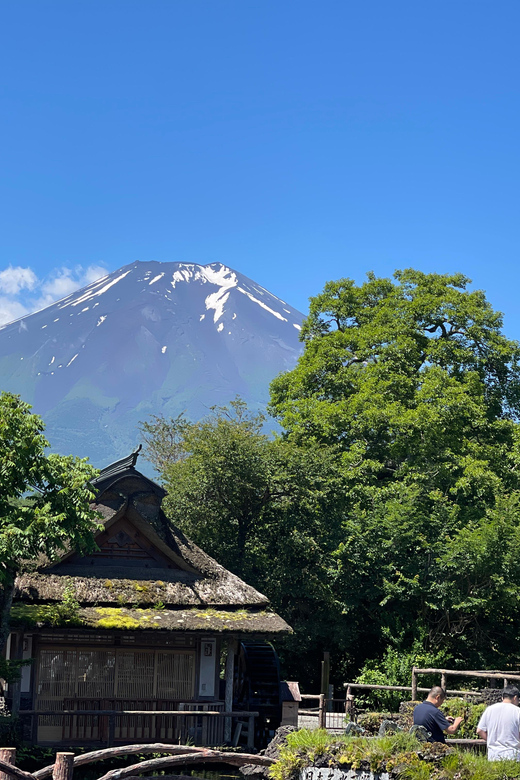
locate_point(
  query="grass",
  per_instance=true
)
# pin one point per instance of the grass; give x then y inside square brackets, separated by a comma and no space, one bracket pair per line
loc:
[401,754]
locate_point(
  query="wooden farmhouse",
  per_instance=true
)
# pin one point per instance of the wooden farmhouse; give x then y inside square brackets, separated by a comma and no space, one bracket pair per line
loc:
[157,619]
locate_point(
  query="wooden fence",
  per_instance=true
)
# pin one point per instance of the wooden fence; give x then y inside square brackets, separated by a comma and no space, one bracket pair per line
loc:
[445,673]
[178,755]
[183,715]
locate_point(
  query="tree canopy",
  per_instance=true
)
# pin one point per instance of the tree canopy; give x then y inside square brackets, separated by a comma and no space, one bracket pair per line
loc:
[414,382]
[383,523]
[266,509]
[44,498]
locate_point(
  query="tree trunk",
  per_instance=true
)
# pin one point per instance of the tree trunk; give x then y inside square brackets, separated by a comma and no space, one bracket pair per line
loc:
[6,600]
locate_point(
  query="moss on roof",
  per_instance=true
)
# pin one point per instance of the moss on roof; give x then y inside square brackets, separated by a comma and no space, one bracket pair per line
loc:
[175,588]
[135,618]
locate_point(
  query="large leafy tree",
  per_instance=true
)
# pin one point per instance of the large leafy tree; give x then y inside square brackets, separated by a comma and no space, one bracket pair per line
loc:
[44,498]
[414,382]
[266,509]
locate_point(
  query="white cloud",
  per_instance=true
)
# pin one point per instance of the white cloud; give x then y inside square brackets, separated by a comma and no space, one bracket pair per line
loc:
[10,310]
[93,273]
[12,280]
[24,293]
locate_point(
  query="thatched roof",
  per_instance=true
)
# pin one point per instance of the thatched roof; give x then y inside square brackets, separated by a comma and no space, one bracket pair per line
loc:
[175,590]
[145,561]
[240,621]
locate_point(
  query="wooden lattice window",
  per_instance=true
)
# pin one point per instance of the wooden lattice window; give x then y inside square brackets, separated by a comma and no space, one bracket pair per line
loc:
[108,674]
[135,674]
[95,670]
[176,675]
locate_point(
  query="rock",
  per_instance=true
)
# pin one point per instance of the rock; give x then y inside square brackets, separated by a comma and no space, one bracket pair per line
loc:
[271,751]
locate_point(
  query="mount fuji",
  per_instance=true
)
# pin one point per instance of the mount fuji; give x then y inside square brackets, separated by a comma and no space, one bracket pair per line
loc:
[150,338]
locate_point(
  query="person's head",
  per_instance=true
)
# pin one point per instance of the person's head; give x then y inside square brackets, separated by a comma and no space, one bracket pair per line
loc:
[437,695]
[512,694]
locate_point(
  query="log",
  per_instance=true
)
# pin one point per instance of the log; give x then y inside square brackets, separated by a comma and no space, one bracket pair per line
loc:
[322,713]
[369,686]
[9,756]
[461,673]
[214,756]
[13,771]
[414,684]
[122,750]
[64,766]
[167,777]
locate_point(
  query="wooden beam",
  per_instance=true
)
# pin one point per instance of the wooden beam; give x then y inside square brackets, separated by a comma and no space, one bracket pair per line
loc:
[228,698]
[414,684]
[466,673]
[13,771]
[370,687]
[213,756]
[122,750]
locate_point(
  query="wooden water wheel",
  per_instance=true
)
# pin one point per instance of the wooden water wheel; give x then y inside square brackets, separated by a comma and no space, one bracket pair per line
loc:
[257,687]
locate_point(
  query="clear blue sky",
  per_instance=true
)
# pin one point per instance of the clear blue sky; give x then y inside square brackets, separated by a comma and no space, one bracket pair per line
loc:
[294,141]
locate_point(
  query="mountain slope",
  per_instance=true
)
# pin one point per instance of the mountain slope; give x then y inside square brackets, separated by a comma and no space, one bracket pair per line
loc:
[150,338]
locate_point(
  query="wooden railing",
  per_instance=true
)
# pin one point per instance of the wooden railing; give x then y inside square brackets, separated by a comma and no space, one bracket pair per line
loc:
[63,767]
[113,714]
[444,673]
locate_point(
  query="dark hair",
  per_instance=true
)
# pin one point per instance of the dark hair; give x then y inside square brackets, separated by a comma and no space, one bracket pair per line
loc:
[510,691]
[437,691]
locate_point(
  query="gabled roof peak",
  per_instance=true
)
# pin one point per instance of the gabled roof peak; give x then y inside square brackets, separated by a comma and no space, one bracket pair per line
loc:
[125,467]
[119,466]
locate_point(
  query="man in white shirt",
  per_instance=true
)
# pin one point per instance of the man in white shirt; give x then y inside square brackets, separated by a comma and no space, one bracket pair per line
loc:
[500,726]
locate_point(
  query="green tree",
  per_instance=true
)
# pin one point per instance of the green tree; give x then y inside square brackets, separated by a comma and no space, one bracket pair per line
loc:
[415,384]
[217,474]
[44,498]
[264,508]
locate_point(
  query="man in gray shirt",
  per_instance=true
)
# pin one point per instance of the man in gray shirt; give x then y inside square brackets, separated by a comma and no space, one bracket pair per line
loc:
[500,726]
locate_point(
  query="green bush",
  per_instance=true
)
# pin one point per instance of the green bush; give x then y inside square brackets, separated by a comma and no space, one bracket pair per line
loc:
[471,714]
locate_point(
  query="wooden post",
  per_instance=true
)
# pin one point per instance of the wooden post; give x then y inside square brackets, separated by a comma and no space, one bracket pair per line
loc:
[505,682]
[349,703]
[414,684]
[63,767]
[230,670]
[322,713]
[251,731]
[111,730]
[444,680]
[325,674]
[16,687]
[9,756]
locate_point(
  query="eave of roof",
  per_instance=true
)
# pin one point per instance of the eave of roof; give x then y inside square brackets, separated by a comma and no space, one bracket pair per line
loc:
[121,618]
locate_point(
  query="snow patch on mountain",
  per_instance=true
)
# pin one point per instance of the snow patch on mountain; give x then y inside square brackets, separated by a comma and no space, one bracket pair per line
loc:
[262,304]
[156,278]
[92,292]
